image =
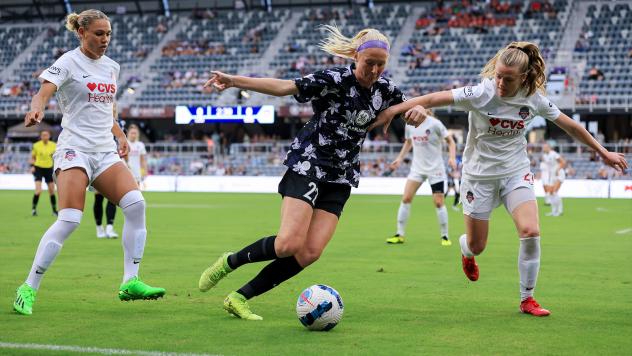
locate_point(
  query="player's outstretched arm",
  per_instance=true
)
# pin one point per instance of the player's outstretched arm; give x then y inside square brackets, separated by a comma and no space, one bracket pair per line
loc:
[451,152]
[38,104]
[271,86]
[578,132]
[441,98]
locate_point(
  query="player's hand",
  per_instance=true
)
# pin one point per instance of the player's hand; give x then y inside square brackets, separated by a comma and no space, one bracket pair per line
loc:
[220,81]
[395,164]
[123,146]
[33,118]
[452,163]
[383,119]
[32,169]
[615,160]
[416,116]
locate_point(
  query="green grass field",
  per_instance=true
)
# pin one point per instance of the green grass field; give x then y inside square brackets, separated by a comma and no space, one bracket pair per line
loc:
[418,303]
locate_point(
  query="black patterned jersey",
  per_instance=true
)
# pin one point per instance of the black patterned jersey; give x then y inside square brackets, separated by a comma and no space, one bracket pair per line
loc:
[328,147]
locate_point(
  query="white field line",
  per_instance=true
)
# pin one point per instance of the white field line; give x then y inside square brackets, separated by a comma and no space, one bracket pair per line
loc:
[182,206]
[624,231]
[93,350]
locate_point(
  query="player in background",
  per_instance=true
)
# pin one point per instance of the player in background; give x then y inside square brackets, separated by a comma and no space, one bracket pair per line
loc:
[550,161]
[323,161]
[427,165]
[42,169]
[454,183]
[559,175]
[137,157]
[84,80]
[110,213]
[496,167]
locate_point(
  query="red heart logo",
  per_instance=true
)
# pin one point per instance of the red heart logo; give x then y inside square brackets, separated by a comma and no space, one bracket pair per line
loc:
[494,121]
[91,86]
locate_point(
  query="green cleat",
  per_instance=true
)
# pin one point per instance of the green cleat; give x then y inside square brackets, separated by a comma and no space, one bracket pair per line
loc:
[135,289]
[396,239]
[237,305]
[24,299]
[212,275]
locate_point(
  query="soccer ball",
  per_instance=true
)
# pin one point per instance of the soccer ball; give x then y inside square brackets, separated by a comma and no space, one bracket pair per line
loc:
[319,307]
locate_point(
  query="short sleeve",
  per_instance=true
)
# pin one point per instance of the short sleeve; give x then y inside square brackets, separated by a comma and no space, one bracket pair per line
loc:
[407,132]
[314,86]
[467,98]
[441,130]
[58,73]
[547,109]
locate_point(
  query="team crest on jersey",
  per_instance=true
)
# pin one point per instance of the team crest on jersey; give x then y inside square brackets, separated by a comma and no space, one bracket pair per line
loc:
[70,155]
[469,196]
[524,112]
[362,118]
[428,132]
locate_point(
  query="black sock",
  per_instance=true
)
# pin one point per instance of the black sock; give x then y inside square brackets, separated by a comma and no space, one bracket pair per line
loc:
[456,199]
[98,209]
[35,200]
[53,202]
[110,212]
[260,250]
[272,275]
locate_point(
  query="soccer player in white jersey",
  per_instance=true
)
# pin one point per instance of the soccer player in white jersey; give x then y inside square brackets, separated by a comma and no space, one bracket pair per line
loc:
[550,160]
[84,80]
[427,165]
[496,167]
[554,166]
[137,157]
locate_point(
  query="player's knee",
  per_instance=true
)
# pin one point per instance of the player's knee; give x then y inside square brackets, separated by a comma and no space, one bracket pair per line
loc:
[285,247]
[438,204]
[132,203]
[529,231]
[477,247]
[407,199]
[70,219]
[307,256]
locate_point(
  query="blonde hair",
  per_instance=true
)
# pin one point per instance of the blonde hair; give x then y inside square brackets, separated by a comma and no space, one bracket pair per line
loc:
[527,57]
[84,19]
[340,45]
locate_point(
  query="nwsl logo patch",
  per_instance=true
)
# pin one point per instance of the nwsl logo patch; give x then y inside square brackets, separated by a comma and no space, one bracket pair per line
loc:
[469,196]
[70,155]
[524,112]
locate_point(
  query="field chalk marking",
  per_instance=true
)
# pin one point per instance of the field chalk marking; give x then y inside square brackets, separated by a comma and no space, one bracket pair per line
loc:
[94,350]
[624,231]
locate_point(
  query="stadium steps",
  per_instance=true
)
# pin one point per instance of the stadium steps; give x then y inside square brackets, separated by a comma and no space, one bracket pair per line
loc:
[398,71]
[25,55]
[147,75]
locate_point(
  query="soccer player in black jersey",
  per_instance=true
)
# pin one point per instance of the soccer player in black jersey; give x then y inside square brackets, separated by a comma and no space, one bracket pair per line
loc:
[323,161]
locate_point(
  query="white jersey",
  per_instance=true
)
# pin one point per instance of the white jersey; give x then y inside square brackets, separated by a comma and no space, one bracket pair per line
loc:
[136,149]
[496,146]
[550,161]
[427,141]
[86,89]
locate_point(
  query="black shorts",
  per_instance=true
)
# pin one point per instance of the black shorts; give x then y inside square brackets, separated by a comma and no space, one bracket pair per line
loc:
[330,197]
[45,173]
[438,187]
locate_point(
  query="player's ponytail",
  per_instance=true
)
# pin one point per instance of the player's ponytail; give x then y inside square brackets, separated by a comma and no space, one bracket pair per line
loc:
[527,58]
[74,21]
[339,45]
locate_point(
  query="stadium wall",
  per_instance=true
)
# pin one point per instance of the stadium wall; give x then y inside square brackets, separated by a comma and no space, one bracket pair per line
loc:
[572,188]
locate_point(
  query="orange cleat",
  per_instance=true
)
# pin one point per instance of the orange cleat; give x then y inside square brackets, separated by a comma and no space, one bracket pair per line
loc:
[470,268]
[530,306]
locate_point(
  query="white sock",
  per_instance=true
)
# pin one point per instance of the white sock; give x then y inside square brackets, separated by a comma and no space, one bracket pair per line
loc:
[402,218]
[547,198]
[560,205]
[465,249]
[134,232]
[528,265]
[442,216]
[555,203]
[51,243]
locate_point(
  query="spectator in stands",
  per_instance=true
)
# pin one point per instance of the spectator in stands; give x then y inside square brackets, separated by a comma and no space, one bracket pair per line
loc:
[318,180]
[160,28]
[496,165]
[595,74]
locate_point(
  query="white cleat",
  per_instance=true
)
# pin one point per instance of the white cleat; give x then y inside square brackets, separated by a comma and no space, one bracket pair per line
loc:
[101,232]
[110,233]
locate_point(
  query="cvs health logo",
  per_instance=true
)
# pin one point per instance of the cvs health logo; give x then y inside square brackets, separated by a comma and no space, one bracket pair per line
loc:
[102,87]
[507,124]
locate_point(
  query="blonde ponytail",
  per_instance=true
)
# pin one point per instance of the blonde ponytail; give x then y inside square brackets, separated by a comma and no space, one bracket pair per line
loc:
[339,45]
[74,21]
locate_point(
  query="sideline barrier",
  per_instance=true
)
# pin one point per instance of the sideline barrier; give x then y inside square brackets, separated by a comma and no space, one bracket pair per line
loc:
[572,188]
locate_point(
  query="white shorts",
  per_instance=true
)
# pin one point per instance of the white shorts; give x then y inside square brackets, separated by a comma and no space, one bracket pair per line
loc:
[94,163]
[480,197]
[561,175]
[432,179]
[545,177]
